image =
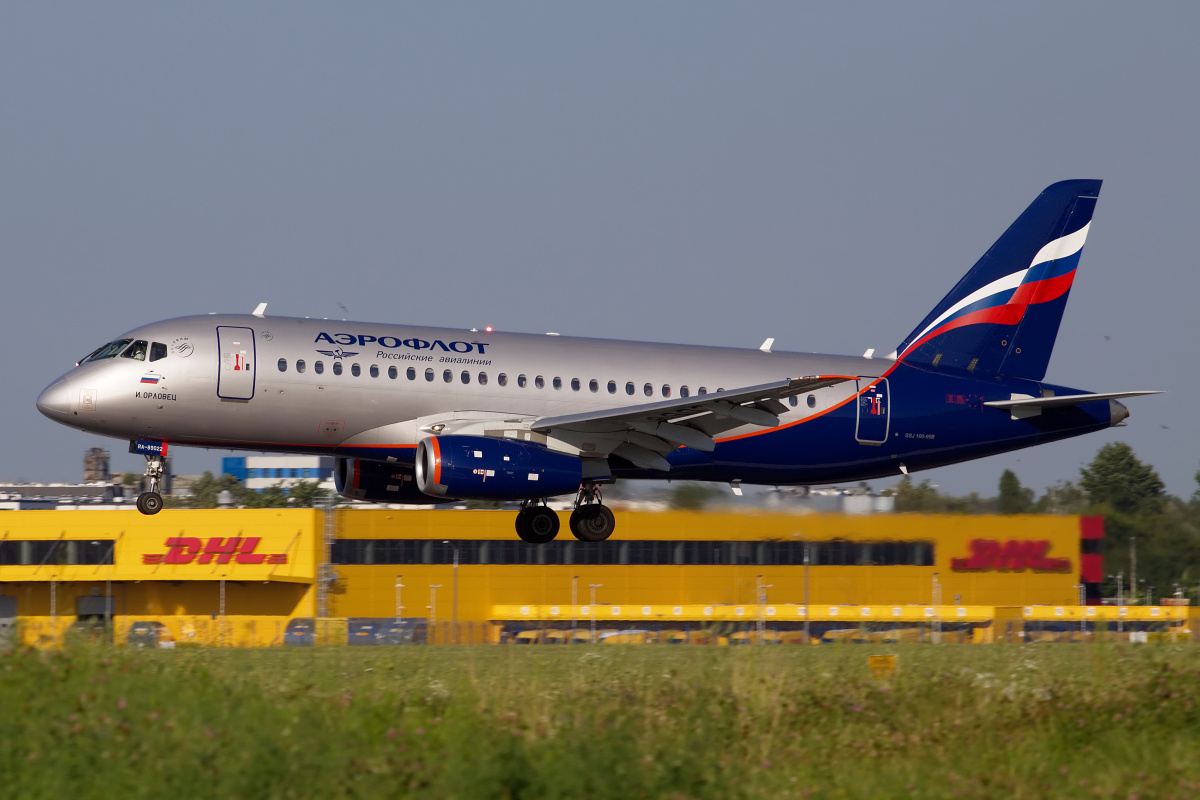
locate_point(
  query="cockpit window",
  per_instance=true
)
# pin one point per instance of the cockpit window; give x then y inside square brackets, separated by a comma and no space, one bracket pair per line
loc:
[136,351]
[157,350]
[108,351]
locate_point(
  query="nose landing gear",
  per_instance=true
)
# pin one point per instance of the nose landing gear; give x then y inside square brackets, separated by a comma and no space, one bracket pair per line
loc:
[591,521]
[151,502]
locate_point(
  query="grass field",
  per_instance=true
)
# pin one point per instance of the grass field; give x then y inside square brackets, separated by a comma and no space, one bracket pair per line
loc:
[1002,721]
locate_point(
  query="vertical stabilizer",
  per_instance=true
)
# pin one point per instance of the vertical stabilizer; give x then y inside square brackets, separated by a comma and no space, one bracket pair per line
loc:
[1003,316]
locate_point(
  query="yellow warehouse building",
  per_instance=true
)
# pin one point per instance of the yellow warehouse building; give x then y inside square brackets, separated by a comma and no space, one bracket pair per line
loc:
[261,577]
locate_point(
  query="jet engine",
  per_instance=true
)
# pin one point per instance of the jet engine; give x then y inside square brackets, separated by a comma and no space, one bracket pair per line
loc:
[484,468]
[377,482]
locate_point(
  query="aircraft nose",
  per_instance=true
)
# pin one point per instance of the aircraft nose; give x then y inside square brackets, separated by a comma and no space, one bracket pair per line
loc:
[1117,413]
[55,400]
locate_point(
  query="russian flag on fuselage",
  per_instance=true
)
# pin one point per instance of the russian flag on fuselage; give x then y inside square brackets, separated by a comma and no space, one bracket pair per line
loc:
[1003,316]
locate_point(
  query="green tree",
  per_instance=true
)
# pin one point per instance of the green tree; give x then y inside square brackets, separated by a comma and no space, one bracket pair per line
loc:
[1013,498]
[207,487]
[1117,479]
[1063,497]
[689,496]
[309,494]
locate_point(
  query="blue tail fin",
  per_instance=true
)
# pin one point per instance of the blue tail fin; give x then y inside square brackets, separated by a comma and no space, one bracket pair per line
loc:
[1002,317]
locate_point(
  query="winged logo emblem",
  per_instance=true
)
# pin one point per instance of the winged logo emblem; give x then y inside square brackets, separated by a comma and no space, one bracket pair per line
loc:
[338,353]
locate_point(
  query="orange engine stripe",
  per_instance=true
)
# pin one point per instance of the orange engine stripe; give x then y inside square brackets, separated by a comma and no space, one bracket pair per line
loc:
[437,460]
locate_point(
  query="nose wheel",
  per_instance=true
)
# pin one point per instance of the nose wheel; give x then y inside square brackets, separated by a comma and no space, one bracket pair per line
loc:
[536,523]
[592,521]
[151,502]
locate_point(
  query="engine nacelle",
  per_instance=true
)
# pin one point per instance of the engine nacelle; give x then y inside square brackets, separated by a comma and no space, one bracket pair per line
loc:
[377,482]
[483,468]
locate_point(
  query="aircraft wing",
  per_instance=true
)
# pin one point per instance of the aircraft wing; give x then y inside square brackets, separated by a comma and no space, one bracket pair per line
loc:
[643,434]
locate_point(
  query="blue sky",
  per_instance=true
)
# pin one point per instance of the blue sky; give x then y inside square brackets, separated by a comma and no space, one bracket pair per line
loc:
[684,172]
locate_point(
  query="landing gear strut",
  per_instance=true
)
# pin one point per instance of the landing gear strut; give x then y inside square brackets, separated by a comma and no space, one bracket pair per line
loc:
[591,521]
[151,502]
[536,523]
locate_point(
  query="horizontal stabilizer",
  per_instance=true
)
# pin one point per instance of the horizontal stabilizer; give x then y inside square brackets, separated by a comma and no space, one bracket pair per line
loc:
[1062,400]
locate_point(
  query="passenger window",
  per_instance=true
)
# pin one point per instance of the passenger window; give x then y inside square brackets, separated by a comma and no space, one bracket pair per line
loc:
[283,365]
[447,376]
[629,388]
[593,385]
[794,401]
[683,392]
[393,373]
[300,365]
[318,367]
[429,374]
[557,382]
[355,370]
[502,379]
[812,401]
[337,368]
[466,376]
[539,382]
[612,387]
[375,371]
[136,351]
[157,350]
[483,379]
[575,384]
[666,390]
[648,390]
[702,390]
[521,381]
[411,373]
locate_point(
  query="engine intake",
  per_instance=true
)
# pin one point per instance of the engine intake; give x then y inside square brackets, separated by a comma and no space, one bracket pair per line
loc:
[377,482]
[483,468]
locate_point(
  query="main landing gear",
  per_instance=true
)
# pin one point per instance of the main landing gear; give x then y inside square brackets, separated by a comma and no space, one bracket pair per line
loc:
[151,502]
[536,523]
[591,521]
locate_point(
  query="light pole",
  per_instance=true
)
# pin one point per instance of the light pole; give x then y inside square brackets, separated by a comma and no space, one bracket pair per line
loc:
[1082,616]
[594,587]
[433,587]
[1120,603]
[574,606]
[399,608]
[1133,564]
[454,606]
[936,602]
[807,608]
[760,598]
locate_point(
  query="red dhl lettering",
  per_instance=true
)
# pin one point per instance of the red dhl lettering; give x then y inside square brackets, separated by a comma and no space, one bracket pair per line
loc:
[1011,555]
[188,549]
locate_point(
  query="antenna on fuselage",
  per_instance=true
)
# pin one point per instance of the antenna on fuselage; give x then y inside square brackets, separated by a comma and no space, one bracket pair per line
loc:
[260,310]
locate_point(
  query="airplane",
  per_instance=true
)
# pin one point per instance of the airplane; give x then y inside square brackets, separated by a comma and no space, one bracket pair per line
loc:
[431,415]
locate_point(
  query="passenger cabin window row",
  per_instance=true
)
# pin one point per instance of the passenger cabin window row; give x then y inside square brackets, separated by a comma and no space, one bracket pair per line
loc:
[481,378]
[837,552]
[55,552]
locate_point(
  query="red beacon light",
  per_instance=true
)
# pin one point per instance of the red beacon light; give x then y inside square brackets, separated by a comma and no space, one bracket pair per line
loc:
[487,329]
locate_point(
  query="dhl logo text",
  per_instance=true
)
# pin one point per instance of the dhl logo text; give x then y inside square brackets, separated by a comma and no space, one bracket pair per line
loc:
[189,550]
[1011,555]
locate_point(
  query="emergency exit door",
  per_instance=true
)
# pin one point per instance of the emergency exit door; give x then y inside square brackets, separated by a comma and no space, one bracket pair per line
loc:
[874,411]
[235,376]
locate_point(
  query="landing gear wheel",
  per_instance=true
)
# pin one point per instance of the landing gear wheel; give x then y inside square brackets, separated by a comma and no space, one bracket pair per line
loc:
[149,502]
[537,525]
[592,523]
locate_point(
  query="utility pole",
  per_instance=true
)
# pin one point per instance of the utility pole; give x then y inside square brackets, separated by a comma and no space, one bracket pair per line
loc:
[399,608]
[807,607]
[433,587]
[454,612]
[760,599]
[594,587]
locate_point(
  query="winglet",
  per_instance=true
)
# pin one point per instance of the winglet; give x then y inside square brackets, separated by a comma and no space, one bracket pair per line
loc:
[766,346]
[260,310]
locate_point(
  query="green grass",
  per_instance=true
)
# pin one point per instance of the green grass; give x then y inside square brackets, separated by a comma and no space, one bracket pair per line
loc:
[976,721]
